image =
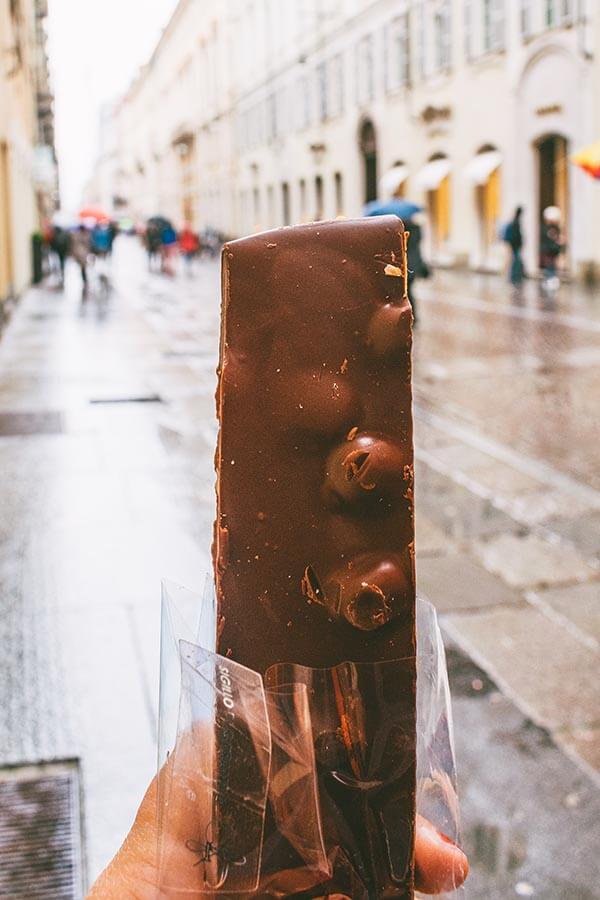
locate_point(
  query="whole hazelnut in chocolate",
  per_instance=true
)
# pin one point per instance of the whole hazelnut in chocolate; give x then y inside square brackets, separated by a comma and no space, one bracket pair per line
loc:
[321,403]
[389,331]
[368,592]
[367,468]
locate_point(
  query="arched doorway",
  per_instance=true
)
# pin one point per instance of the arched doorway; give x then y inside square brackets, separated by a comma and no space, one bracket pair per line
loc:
[484,171]
[553,176]
[368,148]
[551,121]
[438,201]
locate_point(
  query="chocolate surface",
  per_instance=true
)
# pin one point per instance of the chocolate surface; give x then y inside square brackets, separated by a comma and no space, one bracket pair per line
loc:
[314,539]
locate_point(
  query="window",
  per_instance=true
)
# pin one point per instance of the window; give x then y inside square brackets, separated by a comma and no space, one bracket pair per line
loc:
[318,198]
[243,210]
[365,74]
[566,11]
[271,117]
[550,13]
[468,32]
[421,54]
[302,187]
[493,25]
[442,38]
[526,26]
[285,202]
[270,206]
[398,53]
[256,205]
[335,103]
[339,194]
[322,90]
[303,102]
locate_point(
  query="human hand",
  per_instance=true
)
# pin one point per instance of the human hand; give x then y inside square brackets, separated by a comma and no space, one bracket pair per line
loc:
[440,865]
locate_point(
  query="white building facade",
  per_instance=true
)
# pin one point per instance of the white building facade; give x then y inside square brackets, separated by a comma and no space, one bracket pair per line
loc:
[258,113]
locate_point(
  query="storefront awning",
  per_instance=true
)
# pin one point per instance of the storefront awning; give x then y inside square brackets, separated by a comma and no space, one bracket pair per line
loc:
[431,176]
[392,180]
[481,166]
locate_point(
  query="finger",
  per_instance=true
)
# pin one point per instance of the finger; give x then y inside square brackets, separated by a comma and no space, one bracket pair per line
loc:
[440,865]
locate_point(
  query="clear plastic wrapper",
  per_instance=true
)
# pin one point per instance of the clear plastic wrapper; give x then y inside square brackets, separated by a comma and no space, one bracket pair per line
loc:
[263,781]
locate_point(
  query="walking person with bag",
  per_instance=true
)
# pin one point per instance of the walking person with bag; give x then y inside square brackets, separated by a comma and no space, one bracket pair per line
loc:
[80,251]
[513,236]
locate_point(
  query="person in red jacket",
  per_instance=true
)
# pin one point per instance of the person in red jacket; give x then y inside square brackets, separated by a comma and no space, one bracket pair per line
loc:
[188,245]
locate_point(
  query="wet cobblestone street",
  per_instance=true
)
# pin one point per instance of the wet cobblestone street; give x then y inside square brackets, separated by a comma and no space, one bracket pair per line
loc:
[107,437]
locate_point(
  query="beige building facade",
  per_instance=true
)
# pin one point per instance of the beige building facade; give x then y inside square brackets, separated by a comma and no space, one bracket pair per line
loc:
[257,113]
[27,165]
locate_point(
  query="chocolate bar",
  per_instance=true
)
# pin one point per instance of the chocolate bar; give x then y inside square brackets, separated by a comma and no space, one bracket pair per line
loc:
[314,538]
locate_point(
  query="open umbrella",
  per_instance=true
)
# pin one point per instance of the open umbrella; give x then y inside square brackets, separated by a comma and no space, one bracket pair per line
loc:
[160,222]
[404,209]
[588,159]
[93,212]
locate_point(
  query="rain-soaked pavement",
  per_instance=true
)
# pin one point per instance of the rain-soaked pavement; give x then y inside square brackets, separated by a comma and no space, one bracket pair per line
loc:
[106,443]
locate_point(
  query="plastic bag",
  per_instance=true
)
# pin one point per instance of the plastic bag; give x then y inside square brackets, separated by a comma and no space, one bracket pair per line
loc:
[262,781]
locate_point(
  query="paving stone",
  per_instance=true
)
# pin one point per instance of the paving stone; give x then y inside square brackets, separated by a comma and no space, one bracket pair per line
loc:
[455,509]
[457,582]
[529,815]
[582,530]
[584,743]
[461,457]
[431,540]
[527,561]
[553,676]
[107,700]
[41,422]
[538,507]
[427,437]
[503,479]
[580,603]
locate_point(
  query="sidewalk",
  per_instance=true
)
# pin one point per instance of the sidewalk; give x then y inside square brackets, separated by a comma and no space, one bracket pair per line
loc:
[508,498]
[95,512]
[106,444]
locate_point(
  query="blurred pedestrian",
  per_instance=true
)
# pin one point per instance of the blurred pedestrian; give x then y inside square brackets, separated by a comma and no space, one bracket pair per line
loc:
[168,248]
[551,247]
[417,267]
[101,239]
[80,251]
[513,236]
[60,243]
[188,245]
[113,230]
[152,243]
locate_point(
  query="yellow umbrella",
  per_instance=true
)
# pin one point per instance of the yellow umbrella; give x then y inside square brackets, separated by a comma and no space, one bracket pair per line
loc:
[588,159]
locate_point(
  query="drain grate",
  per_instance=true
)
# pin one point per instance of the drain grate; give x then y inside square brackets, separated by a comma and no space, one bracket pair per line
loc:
[14,424]
[143,398]
[43,316]
[40,834]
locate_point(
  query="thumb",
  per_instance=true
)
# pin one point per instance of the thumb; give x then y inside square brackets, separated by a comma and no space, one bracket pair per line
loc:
[440,864]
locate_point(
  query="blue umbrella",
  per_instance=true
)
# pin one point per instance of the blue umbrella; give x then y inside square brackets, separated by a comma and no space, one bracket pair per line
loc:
[404,209]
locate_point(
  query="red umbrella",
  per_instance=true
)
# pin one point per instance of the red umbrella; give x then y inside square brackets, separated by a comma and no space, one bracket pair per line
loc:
[93,212]
[588,159]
